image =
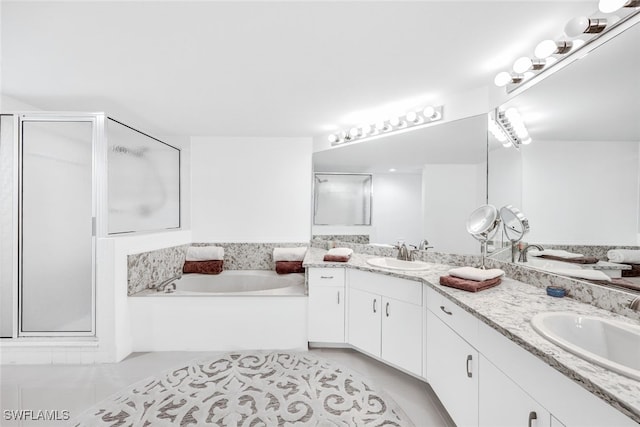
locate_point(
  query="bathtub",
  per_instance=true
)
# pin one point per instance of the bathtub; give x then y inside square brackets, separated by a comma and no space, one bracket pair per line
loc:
[235,310]
[236,283]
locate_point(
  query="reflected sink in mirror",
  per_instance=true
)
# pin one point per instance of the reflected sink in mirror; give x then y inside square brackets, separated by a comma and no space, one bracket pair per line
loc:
[397,264]
[549,264]
[611,344]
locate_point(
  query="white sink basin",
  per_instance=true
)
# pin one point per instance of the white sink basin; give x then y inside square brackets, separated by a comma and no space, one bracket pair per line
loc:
[397,264]
[608,343]
[549,264]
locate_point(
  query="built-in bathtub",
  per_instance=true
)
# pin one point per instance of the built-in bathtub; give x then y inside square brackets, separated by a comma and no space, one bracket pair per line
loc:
[234,283]
[235,310]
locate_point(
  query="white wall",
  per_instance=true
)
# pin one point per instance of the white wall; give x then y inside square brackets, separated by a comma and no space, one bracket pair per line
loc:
[505,177]
[595,191]
[450,194]
[250,189]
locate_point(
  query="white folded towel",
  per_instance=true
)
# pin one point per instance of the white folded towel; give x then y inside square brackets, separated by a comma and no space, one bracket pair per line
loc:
[627,256]
[205,253]
[579,273]
[345,252]
[555,252]
[478,274]
[289,254]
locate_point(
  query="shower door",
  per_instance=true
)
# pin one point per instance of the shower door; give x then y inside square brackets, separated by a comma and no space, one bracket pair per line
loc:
[57,226]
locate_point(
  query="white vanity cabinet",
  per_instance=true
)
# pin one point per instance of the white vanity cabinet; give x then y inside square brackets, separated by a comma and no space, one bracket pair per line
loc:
[452,371]
[504,404]
[326,305]
[385,318]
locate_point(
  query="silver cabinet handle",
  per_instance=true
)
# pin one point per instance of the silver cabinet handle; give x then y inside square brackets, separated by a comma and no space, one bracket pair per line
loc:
[326,277]
[374,305]
[445,310]
[532,416]
[338,297]
[469,359]
[387,309]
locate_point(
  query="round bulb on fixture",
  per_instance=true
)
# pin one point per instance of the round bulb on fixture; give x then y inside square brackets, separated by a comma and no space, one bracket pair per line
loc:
[576,26]
[507,144]
[395,122]
[545,49]
[429,112]
[522,64]
[355,132]
[527,141]
[367,129]
[381,126]
[502,78]
[333,138]
[609,6]
[412,117]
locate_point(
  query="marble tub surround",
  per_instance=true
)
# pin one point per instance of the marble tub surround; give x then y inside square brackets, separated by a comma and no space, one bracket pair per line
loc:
[352,238]
[149,269]
[250,256]
[508,309]
[597,251]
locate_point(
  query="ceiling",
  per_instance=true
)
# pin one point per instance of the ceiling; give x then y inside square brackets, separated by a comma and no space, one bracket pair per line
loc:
[293,68]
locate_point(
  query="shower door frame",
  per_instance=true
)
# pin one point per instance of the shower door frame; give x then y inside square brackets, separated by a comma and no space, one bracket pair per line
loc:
[98,160]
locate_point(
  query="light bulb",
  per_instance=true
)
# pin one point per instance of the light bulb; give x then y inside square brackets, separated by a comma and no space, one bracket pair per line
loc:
[522,64]
[609,6]
[367,129]
[355,132]
[412,117]
[527,141]
[502,78]
[396,122]
[545,48]
[576,26]
[333,138]
[507,144]
[429,112]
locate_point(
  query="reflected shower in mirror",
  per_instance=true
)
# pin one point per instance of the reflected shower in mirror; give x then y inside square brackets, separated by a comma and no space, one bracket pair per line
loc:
[342,199]
[578,180]
[425,182]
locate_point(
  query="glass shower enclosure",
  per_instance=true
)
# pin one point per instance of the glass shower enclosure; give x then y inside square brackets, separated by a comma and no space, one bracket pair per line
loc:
[68,179]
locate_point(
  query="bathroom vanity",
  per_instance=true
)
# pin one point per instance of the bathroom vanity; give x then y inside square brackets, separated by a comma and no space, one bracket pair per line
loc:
[478,351]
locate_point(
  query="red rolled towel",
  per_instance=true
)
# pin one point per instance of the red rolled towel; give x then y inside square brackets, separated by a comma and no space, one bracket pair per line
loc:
[634,272]
[581,260]
[286,267]
[469,285]
[335,258]
[203,267]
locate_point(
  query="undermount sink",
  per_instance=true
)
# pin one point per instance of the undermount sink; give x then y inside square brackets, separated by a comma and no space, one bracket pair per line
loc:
[611,344]
[398,264]
[549,264]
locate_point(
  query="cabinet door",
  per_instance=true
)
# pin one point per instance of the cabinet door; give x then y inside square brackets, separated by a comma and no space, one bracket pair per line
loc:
[364,321]
[326,314]
[402,334]
[452,371]
[504,404]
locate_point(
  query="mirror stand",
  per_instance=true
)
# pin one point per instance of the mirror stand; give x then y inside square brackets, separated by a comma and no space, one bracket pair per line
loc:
[482,223]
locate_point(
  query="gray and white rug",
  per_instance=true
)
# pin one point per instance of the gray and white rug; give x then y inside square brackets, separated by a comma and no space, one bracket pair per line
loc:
[249,389]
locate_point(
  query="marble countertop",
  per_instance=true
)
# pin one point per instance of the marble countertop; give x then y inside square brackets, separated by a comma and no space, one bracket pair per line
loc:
[508,308]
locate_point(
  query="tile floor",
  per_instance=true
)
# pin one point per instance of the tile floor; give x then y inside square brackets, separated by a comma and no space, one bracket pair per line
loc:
[77,387]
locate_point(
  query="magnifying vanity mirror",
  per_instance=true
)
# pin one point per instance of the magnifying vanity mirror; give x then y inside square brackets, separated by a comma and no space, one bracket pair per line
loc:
[516,225]
[578,179]
[482,224]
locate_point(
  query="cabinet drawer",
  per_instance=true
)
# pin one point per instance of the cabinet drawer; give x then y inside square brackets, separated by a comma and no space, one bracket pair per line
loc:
[465,324]
[326,277]
[401,289]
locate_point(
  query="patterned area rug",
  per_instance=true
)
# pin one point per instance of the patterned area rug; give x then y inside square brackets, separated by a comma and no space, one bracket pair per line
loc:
[249,389]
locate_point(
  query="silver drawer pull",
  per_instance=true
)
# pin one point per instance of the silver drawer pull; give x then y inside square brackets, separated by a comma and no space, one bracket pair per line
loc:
[374,305]
[326,277]
[387,310]
[338,297]
[532,416]
[469,359]
[445,310]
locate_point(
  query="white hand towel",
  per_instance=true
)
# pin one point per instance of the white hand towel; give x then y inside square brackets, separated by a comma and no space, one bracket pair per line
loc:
[627,256]
[555,252]
[579,273]
[205,253]
[345,252]
[478,274]
[289,254]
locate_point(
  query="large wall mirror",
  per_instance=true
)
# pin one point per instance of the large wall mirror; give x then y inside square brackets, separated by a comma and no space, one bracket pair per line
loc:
[425,183]
[578,180]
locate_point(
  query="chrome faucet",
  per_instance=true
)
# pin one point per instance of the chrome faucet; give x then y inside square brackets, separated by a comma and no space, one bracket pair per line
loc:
[635,304]
[424,245]
[525,249]
[168,285]
[403,252]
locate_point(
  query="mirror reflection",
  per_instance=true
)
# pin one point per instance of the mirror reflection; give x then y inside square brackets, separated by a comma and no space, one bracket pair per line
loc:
[342,199]
[414,175]
[578,179]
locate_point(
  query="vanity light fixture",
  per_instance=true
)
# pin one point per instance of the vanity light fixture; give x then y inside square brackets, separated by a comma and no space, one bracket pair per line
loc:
[512,126]
[580,31]
[412,119]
